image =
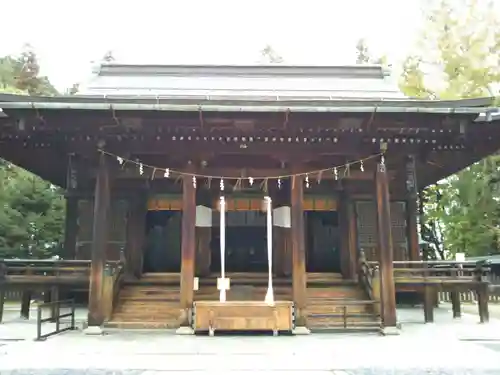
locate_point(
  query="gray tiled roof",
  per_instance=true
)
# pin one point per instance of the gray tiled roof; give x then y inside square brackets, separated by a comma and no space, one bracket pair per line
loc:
[258,82]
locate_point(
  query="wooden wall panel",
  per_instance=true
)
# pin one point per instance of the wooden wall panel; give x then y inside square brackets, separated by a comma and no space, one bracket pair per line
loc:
[116,232]
[165,203]
[367,229]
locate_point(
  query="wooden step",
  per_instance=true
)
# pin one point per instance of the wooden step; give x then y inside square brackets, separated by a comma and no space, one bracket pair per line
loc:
[142,325]
[350,326]
[338,309]
[150,305]
[136,309]
[147,317]
[328,307]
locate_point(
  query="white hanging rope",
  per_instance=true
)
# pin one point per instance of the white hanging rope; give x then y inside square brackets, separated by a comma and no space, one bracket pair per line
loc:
[269,299]
[222,296]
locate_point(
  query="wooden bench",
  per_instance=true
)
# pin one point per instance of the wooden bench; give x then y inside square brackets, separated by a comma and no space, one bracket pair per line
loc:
[242,316]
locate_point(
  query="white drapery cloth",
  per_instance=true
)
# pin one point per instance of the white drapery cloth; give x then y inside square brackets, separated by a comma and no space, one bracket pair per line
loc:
[222,295]
[269,299]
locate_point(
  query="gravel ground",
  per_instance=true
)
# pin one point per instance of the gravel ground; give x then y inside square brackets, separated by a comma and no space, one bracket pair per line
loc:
[446,347]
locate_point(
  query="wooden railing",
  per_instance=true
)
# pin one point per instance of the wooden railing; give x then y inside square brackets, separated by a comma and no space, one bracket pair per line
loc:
[113,279]
[29,275]
[42,267]
[438,272]
[369,279]
[55,319]
[431,277]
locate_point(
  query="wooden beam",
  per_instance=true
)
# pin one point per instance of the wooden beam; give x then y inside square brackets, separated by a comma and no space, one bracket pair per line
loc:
[385,248]
[343,145]
[99,242]
[188,245]
[298,250]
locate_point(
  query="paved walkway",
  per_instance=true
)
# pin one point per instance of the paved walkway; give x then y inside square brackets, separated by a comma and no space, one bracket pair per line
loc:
[445,347]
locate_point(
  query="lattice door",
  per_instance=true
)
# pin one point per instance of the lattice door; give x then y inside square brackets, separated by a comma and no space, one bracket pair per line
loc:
[366,218]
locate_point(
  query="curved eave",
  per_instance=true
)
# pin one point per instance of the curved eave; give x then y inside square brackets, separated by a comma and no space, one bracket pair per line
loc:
[336,107]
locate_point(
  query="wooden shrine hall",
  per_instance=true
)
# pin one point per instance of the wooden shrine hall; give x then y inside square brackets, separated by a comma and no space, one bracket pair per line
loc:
[280,198]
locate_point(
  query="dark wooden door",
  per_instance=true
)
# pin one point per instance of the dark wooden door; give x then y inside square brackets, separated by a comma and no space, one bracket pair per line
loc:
[246,242]
[163,242]
[322,241]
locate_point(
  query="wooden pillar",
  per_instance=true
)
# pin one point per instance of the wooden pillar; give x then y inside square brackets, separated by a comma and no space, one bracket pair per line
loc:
[348,245]
[25,304]
[455,303]
[54,297]
[188,244]
[298,250]
[99,243]
[353,238]
[130,247]
[140,235]
[135,235]
[412,228]
[347,257]
[3,288]
[412,208]
[429,303]
[26,299]
[482,303]
[70,227]
[2,302]
[385,248]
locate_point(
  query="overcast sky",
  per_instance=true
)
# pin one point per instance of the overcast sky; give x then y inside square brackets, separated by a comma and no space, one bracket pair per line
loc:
[68,35]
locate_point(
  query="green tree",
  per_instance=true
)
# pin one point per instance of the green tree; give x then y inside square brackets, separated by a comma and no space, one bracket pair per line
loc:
[32,218]
[460,50]
[412,81]
[23,73]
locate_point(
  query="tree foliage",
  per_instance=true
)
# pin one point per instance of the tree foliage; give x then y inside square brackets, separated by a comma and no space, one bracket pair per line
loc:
[32,215]
[31,209]
[22,74]
[460,50]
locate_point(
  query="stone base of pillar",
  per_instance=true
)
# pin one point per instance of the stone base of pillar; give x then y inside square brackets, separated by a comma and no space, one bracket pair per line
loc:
[184,330]
[93,331]
[390,331]
[301,331]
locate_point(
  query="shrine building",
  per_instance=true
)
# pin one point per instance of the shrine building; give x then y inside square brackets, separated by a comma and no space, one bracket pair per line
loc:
[243,197]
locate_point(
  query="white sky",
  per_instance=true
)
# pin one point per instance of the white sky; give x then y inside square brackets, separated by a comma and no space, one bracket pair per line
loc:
[68,35]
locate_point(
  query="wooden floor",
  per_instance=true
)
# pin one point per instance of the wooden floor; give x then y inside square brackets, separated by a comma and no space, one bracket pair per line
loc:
[153,301]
